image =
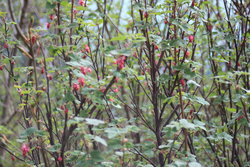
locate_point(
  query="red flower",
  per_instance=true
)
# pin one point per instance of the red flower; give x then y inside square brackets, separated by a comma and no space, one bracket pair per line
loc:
[165,22]
[13,158]
[89,70]
[76,86]
[116,90]
[156,47]
[182,82]
[1,67]
[49,77]
[42,70]
[120,62]
[81,2]
[33,39]
[62,107]
[191,38]
[191,111]
[25,149]
[209,27]
[193,3]
[145,14]
[59,158]
[51,17]
[66,110]
[87,49]
[5,45]
[111,100]
[48,25]
[187,53]
[240,117]
[83,70]
[75,11]
[81,81]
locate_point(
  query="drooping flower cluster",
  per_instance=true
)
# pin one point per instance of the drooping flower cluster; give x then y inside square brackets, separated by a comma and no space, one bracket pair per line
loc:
[85,70]
[191,38]
[25,149]
[81,81]
[120,62]
[87,48]
[76,86]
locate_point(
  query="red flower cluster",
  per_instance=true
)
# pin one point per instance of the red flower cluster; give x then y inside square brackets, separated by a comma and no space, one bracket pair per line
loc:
[48,25]
[191,38]
[49,76]
[76,86]
[81,81]
[59,158]
[87,49]
[65,109]
[33,39]
[182,82]
[85,70]
[25,149]
[42,70]
[120,62]
[187,54]
[5,45]
[146,14]
[81,2]
[51,17]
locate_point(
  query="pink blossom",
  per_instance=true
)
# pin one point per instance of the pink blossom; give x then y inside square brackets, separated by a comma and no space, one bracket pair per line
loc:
[75,11]
[187,53]
[25,149]
[116,90]
[83,70]
[191,38]
[81,2]
[81,81]
[87,49]
[76,86]
[120,62]
[59,158]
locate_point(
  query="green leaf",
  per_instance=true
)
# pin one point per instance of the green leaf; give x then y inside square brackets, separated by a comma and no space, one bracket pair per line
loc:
[191,82]
[194,164]
[195,98]
[94,122]
[119,38]
[4,130]
[54,148]
[100,140]
[185,124]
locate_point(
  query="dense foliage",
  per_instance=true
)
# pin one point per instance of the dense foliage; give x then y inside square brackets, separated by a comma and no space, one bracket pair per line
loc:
[130,83]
